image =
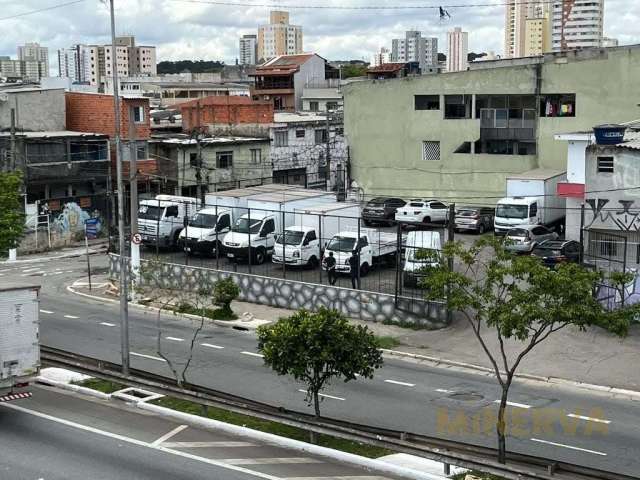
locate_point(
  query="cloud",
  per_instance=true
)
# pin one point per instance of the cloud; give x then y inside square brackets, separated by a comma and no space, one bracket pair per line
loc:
[192,30]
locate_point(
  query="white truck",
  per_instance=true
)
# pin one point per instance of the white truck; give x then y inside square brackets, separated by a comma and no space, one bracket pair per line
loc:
[413,268]
[160,220]
[374,247]
[19,334]
[531,200]
[205,231]
[254,233]
[303,242]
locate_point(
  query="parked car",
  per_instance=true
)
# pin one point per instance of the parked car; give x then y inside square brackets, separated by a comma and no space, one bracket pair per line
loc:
[554,252]
[525,239]
[476,219]
[419,211]
[381,210]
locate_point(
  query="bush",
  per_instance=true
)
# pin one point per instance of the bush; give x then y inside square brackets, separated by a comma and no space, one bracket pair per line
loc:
[224,292]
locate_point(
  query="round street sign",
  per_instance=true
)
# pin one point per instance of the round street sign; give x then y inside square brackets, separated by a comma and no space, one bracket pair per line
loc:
[136,238]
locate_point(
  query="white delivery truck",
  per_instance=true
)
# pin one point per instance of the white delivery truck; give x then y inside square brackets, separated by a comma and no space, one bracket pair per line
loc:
[267,216]
[160,220]
[413,268]
[238,198]
[303,242]
[205,231]
[375,247]
[19,334]
[531,199]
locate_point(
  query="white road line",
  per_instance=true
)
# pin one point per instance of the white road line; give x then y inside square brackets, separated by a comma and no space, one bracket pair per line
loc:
[514,404]
[443,390]
[107,324]
[150,357]
[175,339]
[27,270]
[568,446]
[211,346]
[133,441]
[168,435]
[208,444]
[324,395]
[589,419]
[45,311]
[395,382]
[71,316]
[270,461]
[253,354]
[346,477]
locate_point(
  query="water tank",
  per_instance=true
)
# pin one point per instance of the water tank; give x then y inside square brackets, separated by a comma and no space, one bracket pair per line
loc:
[609,134]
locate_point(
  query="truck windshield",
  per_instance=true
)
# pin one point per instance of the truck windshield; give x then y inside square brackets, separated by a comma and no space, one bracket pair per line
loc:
[341,244]
[291,237]
[242,226]
[431,255]
[512,211]
[150,212]
[203,220]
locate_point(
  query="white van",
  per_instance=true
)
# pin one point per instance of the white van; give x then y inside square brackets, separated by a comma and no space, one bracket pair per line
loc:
[205,231]
[413,267]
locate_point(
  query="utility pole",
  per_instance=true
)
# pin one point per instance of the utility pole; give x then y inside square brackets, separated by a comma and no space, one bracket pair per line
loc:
[124,307]
[199,194]
[133,198]
[327,174]
[12,165]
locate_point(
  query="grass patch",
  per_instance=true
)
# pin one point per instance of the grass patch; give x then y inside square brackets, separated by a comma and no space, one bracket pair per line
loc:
[404,324]
[482,476]
[212,313]
[103,386]
[275,428]
[387,342]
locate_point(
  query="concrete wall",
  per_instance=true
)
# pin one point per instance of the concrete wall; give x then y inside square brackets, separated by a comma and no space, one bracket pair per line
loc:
[310,71]
[368,306]
[37,110]
[385,132]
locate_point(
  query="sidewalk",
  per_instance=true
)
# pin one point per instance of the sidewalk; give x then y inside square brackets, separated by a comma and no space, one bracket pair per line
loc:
[592,357]
[99,246]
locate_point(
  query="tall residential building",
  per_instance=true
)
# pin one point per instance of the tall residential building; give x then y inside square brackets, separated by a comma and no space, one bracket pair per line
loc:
[248,50]
[381,57]
[278,37]
[74,63]
[609,42]
[577,24]
[35,61]
[415,48]
[527,29]
[537,36]
[457,50]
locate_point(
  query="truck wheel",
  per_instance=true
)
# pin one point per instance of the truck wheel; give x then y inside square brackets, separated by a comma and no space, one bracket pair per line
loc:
[481,229]
[364,269]
[312,263]
[260,256]
[217,247]
[426,220]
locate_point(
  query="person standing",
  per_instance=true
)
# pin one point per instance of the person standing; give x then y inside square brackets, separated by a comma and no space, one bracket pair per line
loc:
[354,266]
[330,265]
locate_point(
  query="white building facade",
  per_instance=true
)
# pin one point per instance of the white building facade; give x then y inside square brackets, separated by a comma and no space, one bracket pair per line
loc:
[415,48]
[248,50]
[457,50]
[577,24]
[381,57]
[278,37]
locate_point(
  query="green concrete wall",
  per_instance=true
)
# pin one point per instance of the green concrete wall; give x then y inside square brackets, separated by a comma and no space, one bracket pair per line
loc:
[385,132]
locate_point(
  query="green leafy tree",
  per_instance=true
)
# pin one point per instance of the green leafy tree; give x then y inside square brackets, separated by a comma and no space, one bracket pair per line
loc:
[517,299]
[349,71]
[316,347]
[225,291]
[11,211]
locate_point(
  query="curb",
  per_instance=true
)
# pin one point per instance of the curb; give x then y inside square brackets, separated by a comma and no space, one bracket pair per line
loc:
[56,257]
[73,388]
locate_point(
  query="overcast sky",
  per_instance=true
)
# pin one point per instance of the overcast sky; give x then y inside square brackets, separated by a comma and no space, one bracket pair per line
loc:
[193,30]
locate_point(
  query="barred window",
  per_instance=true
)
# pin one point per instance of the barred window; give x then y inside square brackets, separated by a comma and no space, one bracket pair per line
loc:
[430,150]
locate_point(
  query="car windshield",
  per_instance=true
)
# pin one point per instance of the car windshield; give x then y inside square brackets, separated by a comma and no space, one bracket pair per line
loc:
[341,244]
[512,211]
[203,220]
[517,232]
[150,212]
[376,202]
[467,213]
[242,226]
[291,237]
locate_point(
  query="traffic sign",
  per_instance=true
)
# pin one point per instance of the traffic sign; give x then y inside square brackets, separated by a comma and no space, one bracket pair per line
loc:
[136,238]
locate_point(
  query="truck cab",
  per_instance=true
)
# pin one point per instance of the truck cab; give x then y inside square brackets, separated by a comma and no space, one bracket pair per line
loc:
[161,220]
[514,212]
[414,266]
[343,244]
[252,234]
[298,246]
[205,231]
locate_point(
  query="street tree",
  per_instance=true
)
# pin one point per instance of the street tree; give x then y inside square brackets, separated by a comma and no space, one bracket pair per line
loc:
[316,347]
[517,299]
[12,220]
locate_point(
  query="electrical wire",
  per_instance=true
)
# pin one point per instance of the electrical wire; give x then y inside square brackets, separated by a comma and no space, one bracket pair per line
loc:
[45,9]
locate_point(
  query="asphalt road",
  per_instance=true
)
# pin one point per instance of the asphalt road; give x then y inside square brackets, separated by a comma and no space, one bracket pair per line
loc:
[572,425]
[61,436]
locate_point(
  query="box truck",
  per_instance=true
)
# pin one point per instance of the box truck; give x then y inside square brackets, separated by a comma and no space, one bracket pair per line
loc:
[160,220]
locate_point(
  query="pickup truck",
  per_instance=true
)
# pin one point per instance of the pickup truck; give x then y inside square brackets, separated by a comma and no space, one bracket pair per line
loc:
[299,246]
[375,247]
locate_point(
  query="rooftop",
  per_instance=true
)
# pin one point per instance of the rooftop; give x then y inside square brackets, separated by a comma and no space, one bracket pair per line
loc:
[537,174]
[224,100]
[283,65]
[285,117]
[213,140]
[387,68]
[56,134]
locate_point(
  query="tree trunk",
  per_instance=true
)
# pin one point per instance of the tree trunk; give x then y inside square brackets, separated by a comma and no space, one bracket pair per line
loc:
[501,425]
[316,404]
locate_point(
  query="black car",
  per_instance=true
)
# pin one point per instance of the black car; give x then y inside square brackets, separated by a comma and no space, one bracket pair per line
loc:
[554,252]
[381,210]
[476,219]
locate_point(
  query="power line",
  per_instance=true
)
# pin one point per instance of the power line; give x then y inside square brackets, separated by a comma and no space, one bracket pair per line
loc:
[45,9]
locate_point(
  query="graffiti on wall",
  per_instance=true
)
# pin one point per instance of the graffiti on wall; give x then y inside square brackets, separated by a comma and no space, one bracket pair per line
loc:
[73,218]
[622,217]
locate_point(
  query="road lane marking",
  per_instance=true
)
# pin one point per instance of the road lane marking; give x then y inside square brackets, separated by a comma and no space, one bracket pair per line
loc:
[211,346]
[324,395]
[395,382]
[150,357]
[270,461]
[73,317]
[443,390]
[253,354]
[140,443]
[207,444]
[589,419]
[45,311]
[27,270]
[107,324]
[175,339]
[514,404]
[345,477]
[568,446]
[168,435]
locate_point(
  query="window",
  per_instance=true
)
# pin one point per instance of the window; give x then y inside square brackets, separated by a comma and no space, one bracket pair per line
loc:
[332,106]
[193,159]
[558,105]
[269,227]
[321,136]
[280,138]
[138,114]
[224,159]
[605,164]
[339,131]
[430,150]
[426,102]
[300,133]
[438,206]
[457,106]
[224,222]
[533,210]
[313,106]
[256,156]
[141,151]
[171,211]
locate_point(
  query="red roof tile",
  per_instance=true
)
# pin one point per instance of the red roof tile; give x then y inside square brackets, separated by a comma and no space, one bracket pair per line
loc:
[386,68]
